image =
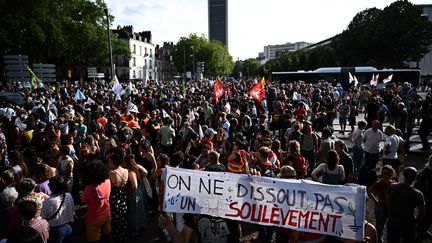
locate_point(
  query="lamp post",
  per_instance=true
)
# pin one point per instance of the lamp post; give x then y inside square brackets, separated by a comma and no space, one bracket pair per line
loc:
[193,60]
[184,62]
[109,43]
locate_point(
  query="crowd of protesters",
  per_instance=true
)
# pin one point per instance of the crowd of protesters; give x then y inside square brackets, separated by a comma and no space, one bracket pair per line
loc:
[86,143]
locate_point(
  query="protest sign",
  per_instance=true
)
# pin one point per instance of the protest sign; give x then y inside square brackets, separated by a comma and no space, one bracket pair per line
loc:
[296,204]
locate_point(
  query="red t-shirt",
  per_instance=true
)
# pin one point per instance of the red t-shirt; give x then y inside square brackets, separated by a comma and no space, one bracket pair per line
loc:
[102,120]
[381,187]
[300,112]
[97,198]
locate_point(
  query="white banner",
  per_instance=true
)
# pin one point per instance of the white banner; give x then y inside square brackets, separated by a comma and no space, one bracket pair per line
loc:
[296,204]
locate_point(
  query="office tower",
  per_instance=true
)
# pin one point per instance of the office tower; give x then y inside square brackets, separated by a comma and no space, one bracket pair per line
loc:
[218,20]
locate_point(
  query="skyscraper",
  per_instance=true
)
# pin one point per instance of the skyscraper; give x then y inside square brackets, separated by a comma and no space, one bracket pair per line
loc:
[218,20]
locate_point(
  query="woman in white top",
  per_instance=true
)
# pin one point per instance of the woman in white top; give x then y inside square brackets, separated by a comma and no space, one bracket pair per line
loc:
[58,209]
[330,172]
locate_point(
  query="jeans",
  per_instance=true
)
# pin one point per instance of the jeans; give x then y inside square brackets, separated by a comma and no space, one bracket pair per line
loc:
[357,157]
[371,160]
[381,219]
[61,234]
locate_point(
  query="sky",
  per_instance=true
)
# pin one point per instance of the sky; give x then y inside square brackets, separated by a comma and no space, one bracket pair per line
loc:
[252,24]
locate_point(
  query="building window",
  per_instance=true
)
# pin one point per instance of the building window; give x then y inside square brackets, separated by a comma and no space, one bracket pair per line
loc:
[145,51]
[134,49]
[151,52]
[133,74]
[150,64]
[140,51]
[139,74]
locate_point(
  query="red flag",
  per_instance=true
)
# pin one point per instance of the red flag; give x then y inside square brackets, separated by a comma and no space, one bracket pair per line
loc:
[257,92]
[219,89]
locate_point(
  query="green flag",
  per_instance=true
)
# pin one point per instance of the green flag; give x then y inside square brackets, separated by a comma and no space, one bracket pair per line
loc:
[35,82]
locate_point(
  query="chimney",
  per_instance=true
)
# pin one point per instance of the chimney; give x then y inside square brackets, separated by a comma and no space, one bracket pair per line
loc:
[146,36]
[129,29]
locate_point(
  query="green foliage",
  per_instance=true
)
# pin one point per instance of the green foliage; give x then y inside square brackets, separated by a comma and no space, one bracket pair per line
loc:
[251,67]
[217,60]
[385,38]
[64,32]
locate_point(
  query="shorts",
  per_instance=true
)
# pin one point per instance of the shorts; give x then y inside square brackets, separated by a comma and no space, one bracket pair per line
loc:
[97,228]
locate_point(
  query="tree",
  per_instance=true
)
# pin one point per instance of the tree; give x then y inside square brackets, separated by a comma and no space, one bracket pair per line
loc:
[385,38]
[251,67]
[215,56]
[67,33]
[402,34]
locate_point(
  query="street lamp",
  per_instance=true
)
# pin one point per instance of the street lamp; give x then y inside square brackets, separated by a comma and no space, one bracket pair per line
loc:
[193,59]
[184,62]
[109,43]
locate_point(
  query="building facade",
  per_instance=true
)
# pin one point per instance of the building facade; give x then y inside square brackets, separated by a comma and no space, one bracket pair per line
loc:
[165,68]
[142,63]
[425,64]
[275,51]
[218,20]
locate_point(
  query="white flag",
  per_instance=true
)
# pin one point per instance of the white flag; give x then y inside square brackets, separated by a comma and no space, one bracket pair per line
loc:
[117,87]
[388,79]
[165,114]
[350,77]
[200,132]
[355,81]
[374,80]
[132,107]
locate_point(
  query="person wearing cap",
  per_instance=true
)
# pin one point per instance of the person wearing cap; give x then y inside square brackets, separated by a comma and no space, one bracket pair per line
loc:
[403,201]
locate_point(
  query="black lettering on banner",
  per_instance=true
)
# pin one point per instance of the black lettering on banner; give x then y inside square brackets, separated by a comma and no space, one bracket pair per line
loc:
[187,202]
[239,193]
[270,192]
[259,191]
[318,198]
[341,209]
[202,185]
[216,187]
[175,181]
[302,197]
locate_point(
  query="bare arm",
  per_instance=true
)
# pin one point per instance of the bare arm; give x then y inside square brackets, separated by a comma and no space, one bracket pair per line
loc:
[133,181]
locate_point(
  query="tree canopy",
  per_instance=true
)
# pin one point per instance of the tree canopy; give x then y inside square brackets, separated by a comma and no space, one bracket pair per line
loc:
[385,38]
[64,32]
[216,58]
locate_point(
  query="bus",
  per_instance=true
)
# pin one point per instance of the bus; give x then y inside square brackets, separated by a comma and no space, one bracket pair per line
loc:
[341,75]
